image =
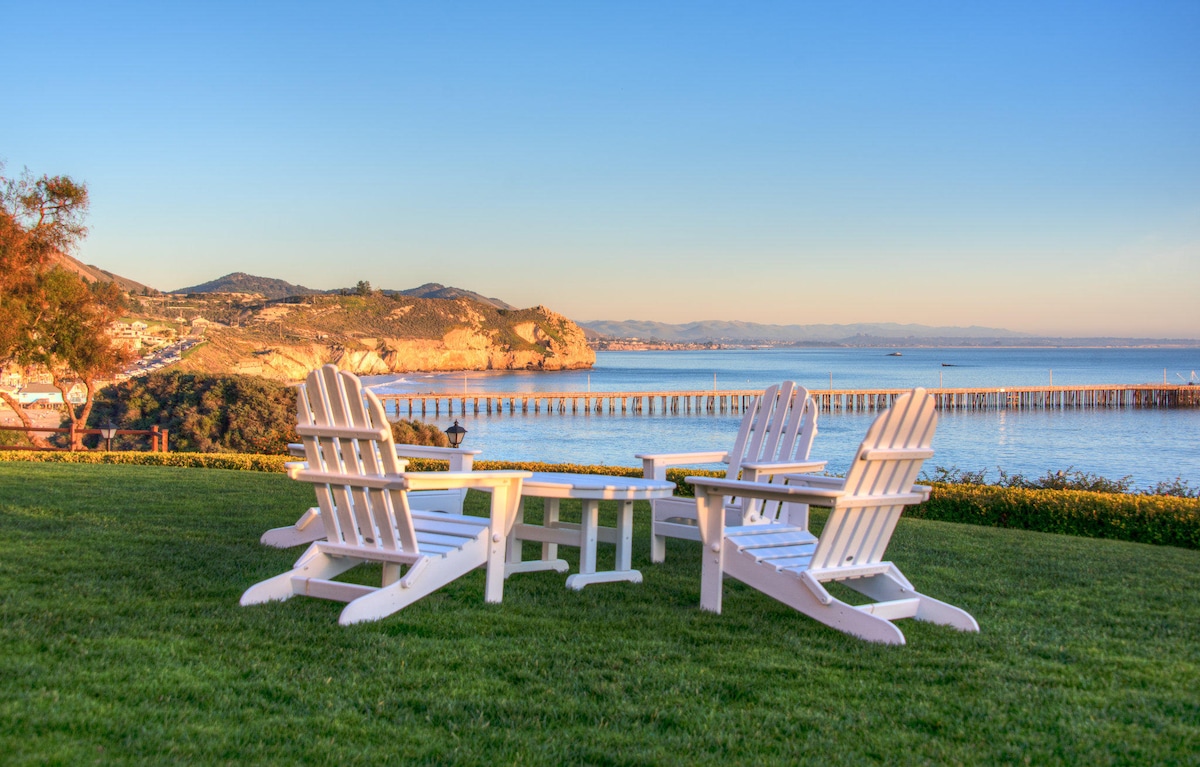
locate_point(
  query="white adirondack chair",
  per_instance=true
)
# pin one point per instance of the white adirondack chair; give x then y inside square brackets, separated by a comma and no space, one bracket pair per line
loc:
[774,440]
[362,495]
[789,563]
[309,527]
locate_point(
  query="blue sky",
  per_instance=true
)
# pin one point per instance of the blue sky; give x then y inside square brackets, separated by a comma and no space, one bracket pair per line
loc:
[1032,166]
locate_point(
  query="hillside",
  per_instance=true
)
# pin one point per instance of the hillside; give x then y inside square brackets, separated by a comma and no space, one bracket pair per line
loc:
[95,274]
[371,335]
[434,290]
[272,289]
[240,282]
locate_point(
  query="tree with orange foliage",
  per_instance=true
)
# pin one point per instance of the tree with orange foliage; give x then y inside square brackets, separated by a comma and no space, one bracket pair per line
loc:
[50,317]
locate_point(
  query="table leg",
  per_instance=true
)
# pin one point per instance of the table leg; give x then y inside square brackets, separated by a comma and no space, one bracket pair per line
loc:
[550,520]
[513,557]
[625,536]
[587,548]
[589,520]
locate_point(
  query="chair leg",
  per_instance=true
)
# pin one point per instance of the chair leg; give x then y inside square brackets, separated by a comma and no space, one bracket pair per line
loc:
[893,585]
[503,515]
[435,574]
[312,564]
[803,597]
[712,579]
[658,547]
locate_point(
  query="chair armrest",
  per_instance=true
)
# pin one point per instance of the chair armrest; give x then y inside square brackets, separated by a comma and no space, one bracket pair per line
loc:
[414,480]
[428,451]
[836,483]
[445,480]
[460,458]
[755,470]
[654,465]
[293,468]
[810,480]
[767,491]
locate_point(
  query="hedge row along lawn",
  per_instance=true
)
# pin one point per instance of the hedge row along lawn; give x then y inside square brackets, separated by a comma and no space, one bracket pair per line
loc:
[1157,519]
[124,642]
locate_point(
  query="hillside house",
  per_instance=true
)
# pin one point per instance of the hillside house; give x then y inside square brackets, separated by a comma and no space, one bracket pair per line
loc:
[137,336]
[131,335]
[48,395]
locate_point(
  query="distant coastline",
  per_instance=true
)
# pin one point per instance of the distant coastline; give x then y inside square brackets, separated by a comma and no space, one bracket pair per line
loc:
[742,335]
[635,344]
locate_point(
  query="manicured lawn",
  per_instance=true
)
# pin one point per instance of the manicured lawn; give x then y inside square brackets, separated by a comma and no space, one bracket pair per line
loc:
[122,641]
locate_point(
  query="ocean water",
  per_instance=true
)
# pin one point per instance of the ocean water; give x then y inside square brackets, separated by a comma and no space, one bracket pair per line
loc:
[1147,445]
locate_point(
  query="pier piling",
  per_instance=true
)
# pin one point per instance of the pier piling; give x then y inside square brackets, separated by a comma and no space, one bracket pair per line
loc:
[828,400]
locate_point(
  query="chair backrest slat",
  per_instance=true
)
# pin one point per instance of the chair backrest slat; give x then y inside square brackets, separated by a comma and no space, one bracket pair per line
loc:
[748,437]
[887,463]
[355,515]
[780,426]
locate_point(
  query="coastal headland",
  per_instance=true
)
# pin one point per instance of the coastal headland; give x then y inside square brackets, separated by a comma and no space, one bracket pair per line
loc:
[371,334]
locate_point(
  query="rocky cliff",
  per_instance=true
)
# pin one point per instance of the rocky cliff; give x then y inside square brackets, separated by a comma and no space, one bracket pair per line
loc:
[376,335]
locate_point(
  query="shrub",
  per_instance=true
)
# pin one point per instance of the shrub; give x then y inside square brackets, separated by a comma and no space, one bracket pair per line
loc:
[418,433]
[204,413]
[1157,519]
[13,438]
[1177,487]
[1068,479]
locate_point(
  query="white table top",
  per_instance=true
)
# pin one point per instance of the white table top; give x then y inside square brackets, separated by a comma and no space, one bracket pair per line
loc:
[595,487]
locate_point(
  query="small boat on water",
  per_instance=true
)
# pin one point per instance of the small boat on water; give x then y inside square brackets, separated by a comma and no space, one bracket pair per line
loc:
[895,354]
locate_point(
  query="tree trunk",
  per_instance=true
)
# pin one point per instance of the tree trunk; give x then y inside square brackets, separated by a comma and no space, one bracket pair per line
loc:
[33,437]
[78,419]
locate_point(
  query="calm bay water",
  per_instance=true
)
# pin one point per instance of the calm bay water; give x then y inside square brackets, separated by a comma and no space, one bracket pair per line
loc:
[1149,445]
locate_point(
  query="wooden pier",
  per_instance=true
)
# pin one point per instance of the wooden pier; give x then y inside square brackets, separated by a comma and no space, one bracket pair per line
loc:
[835,400]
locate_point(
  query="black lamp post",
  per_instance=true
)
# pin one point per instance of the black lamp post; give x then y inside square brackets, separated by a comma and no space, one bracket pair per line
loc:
[455,434]
[108,431]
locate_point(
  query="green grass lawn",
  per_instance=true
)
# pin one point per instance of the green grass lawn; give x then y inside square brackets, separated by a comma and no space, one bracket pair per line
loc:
[122,641]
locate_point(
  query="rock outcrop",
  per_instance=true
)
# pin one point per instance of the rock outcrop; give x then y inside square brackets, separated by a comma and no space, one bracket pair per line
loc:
[379,335]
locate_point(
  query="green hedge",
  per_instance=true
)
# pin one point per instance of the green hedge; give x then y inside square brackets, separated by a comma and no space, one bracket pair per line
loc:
[236,461]
[1157,519]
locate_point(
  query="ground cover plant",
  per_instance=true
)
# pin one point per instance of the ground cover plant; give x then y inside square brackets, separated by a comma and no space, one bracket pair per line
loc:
[123,642]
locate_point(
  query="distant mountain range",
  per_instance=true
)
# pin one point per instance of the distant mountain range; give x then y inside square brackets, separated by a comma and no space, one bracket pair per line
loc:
[272,289]
[747,332]
[713,331]
[859,334]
